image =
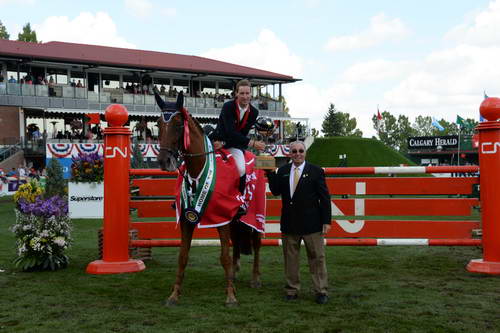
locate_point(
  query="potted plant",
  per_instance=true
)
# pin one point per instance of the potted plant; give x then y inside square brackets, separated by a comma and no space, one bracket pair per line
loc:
[86,188]
[42,229]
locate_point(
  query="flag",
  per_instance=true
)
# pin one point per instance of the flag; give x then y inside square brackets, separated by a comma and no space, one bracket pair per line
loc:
[379,116]
[436,124]
[460,121]
[94,118]
[481,119]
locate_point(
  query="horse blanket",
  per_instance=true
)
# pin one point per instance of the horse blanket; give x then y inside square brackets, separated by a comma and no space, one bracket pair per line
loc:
[225,198]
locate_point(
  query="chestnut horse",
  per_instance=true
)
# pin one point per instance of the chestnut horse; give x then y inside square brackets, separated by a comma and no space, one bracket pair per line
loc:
[182,138]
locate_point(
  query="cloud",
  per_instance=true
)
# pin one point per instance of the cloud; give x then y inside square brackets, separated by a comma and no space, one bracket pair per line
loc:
[267,52]
[312,3]
[169,12]
[86,28]
[144,8]
[482,31]
[377,70]
[17,2]
[381,29]
[451,81]
[306,100]
[139,8]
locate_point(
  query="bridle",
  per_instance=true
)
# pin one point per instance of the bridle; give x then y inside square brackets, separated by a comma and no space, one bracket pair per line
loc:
[179,153]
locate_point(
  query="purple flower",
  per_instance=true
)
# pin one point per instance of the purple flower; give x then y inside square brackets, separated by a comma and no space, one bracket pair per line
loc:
[54,206]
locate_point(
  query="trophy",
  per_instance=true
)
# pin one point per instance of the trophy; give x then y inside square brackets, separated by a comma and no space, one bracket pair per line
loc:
[265,128]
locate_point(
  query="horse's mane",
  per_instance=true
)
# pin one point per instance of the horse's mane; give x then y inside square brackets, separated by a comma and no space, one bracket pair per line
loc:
[197,123]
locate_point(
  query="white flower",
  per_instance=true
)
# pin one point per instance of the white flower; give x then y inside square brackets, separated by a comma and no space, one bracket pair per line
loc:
[60,241]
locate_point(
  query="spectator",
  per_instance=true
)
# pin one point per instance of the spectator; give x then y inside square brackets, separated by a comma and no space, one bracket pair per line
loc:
[79,84]
[12,173]
[21,172]
[12,80]
[162,89]
[305,218]
[51,87]
[73,83]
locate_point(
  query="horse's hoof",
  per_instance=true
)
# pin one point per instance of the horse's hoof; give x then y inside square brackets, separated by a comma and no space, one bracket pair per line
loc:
[255,284]
[171,302]
[232,304]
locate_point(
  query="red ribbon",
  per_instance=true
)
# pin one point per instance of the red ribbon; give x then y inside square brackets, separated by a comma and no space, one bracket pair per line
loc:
[187,139]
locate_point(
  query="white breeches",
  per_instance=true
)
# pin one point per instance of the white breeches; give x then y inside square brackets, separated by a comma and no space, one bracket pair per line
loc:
[239,158]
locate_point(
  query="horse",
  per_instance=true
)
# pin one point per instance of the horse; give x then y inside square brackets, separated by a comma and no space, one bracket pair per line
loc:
[181,137]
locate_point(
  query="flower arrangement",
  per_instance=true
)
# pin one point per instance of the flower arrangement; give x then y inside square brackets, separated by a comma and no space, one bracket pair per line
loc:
[87,168]
[28,192]
[42,229]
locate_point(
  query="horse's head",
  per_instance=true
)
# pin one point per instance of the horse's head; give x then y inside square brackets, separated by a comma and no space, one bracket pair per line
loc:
[171,133]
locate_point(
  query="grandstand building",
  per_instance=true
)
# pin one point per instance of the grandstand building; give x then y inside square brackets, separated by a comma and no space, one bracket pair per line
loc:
[58,91]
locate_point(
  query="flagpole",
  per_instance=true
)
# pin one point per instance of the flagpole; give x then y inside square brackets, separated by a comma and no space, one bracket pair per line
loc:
[458,155]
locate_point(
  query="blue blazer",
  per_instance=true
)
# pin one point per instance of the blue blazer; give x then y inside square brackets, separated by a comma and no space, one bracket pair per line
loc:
[309,208]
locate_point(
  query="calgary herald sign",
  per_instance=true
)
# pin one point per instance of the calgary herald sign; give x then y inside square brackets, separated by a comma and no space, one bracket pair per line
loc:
[432,142]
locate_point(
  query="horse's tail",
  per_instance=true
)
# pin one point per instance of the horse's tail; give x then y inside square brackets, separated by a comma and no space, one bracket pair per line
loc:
[241,236]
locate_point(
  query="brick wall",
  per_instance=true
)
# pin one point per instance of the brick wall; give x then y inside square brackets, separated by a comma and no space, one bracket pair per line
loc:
[9,124]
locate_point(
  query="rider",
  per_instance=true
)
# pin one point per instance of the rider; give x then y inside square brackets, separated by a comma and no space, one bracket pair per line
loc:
[236,119]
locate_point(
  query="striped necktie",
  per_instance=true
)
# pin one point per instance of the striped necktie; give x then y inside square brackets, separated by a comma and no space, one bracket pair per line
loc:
[296,177]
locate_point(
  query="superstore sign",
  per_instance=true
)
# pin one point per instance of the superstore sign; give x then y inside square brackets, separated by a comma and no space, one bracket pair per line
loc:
[432,142]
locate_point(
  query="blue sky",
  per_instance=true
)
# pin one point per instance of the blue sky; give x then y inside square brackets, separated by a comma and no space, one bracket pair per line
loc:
[415,58]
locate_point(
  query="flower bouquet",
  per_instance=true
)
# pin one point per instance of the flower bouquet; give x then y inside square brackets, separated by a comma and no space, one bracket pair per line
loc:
[87,168]
[42,229]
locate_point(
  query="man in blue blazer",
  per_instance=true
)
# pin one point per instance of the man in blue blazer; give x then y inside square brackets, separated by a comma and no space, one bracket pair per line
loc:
[305,215]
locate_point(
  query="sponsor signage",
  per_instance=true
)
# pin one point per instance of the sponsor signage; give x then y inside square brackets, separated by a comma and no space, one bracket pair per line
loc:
[85,200]
[432,142]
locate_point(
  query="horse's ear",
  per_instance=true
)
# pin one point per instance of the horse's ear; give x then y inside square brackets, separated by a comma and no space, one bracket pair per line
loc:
[180,101]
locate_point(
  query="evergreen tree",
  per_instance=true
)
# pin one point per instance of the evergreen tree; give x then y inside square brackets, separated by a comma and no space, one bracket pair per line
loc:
[55,183]
[331,125]
[137,161]
[27,35]
[338,123]
[3,32]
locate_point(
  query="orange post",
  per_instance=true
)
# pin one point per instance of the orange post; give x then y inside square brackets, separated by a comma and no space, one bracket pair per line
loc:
[489,163]
[116,197]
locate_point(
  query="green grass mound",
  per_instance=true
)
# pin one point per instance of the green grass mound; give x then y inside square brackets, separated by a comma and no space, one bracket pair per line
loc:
[360,152]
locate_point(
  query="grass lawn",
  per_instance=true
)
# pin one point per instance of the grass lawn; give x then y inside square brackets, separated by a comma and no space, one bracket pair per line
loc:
[373,289]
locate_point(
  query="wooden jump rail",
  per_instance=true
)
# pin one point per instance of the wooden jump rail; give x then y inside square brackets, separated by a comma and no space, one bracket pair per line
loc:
[369,211]
[425,231]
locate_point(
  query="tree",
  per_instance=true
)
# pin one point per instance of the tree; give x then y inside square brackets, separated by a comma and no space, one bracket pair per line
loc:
[55,183]
[348,125]
[387,129]
[338,123]
[405,130]
[137,161]
[3,32]
[331,125]
[27,35]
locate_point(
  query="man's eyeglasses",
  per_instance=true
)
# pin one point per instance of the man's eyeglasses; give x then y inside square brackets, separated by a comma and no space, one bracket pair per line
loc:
[295,151]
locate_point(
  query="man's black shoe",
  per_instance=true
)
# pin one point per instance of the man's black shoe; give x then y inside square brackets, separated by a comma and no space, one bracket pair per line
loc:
[321,299]
[291,297]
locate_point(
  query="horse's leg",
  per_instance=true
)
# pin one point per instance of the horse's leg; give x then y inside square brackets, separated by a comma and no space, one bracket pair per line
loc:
[235,239]
[256,242]
[186,237]
[225,259]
